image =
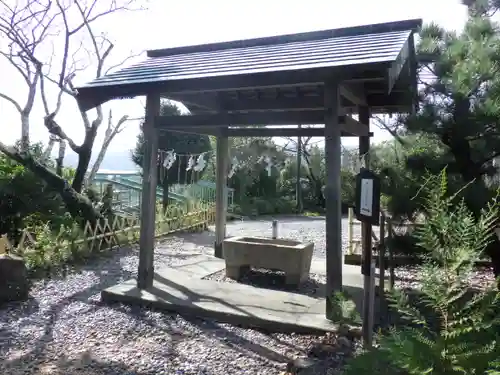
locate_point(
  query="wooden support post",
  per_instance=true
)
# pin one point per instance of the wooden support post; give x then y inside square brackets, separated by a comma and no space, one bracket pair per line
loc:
[148,199]
[381,267]
[298,186]
[368,337]
[333,228]
[381,256]
[391,255]
[222,164]
[350,230]
[366,237]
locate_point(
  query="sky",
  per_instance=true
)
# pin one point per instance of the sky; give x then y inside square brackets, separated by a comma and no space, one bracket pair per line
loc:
[169,24]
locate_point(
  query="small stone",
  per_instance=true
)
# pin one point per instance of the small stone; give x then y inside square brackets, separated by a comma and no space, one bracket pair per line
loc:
[14,283]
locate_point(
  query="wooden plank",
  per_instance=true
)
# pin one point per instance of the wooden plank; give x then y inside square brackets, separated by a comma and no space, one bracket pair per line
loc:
[376,98]
[346,123]
[263,132]
[366,241]
[205,131]
[148,201]
[222,164]
[355,94]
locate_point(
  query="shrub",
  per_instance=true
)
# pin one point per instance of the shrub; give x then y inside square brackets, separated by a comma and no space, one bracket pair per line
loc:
[451,329]
[22,194]
[262,206]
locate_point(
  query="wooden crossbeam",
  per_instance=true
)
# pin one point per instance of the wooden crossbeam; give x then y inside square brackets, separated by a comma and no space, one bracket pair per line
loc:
[354,94]
[261,132]
[348,125]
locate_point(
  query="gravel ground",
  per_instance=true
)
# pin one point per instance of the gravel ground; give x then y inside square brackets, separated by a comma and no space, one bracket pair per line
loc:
[64,329]
[408,277]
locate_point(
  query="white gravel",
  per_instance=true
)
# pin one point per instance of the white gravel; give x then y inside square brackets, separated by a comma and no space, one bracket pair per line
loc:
[408,277]
[64,329]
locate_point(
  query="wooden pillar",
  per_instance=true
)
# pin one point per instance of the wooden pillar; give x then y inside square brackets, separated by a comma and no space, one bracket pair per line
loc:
[148,199]
[366,237]
[334,255]
[298,186]
[222,164]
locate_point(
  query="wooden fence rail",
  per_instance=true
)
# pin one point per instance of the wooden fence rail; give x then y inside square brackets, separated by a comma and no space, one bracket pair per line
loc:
[386,231]
[40,246]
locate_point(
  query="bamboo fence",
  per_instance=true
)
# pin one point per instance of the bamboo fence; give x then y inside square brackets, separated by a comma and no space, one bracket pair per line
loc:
[41,246]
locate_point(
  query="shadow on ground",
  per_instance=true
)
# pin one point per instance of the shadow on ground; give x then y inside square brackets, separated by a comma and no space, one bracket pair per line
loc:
[36,358]
[204,239]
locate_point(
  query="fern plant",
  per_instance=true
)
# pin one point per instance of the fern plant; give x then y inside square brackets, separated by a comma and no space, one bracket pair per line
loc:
[450,329]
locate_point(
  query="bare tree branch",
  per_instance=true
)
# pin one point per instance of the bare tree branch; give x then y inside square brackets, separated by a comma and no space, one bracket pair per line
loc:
[50,146]
[122,62]
[382,124]
[36,23]
[12,101]
[111,132]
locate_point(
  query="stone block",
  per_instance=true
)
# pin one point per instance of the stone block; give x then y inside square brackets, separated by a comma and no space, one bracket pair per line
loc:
[14,283]
[291,257]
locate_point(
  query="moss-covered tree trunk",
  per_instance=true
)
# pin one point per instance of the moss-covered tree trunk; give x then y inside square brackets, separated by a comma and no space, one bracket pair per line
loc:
[79,206]
[84,154]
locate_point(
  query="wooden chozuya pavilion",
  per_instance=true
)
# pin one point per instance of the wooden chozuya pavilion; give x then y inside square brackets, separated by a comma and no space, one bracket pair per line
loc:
[321,77]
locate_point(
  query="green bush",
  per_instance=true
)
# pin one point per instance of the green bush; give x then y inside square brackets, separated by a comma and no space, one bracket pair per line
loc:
[24,197]
[450,328]
[261,206]
[406,244]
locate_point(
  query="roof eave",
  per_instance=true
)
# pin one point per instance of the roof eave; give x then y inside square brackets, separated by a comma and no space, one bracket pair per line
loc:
[410,25]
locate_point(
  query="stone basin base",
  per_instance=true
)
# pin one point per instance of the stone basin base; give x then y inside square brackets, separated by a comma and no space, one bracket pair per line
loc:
[291,257]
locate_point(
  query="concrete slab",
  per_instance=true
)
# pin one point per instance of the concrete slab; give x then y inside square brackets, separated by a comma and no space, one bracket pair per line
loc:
[232,303]
[180,289]
[201,266]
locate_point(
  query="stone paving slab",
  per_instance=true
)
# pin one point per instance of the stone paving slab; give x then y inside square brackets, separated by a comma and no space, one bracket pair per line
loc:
[238,304]
[180,289]
[201,266]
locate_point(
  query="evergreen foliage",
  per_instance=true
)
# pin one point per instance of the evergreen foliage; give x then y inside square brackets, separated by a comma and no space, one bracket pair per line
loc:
[450,328]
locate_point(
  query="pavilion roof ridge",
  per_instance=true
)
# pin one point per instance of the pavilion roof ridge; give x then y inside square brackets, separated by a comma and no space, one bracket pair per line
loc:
[404,25]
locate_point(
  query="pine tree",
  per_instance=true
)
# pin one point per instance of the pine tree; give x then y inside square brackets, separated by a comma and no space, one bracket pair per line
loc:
[460,109]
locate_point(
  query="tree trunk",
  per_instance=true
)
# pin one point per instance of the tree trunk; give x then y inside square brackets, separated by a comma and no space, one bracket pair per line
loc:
[110,134]
[99,159]
[78,205]
[25,131]
[50,147]
[60,157]
[84,155]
